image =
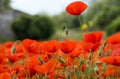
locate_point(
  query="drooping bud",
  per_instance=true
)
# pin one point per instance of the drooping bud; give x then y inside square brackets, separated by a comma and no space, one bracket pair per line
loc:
[90,56]
[66,32]
[60,59]
[82,62]
[65,29]
[96,70]
[99,53]
[57,75]
[68,75]
[13,49]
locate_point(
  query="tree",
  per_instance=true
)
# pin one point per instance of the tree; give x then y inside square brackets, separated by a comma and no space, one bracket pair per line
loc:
[103,18]
[103,13]
[4,4]
[34,27]
[100,5]
[113,27]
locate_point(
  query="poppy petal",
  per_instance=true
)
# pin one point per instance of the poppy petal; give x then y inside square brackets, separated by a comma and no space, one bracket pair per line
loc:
[76,7]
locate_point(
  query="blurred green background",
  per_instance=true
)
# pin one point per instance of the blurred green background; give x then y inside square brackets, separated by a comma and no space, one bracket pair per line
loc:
[101,15]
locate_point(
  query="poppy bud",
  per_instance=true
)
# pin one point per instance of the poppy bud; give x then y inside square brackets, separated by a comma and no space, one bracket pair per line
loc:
[82,62]
[61,60]
[90,56]
[99,53]
[96,70]
[68,75]
[13,50]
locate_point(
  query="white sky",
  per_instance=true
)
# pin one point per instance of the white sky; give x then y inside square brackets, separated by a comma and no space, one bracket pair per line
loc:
[50,7]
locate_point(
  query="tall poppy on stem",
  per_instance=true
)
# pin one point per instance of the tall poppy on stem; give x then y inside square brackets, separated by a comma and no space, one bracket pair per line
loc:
[76,7]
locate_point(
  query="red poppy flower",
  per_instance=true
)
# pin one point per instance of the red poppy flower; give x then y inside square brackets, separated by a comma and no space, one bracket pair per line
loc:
[4,68]
[114,39]
[49,46]
[116,52]
[114,60]
[31,45]
[46,68]
[34,59]
[92,40]
[76,7]
[29,68]
[67,46]
[93,37]
[5,75]
[3,59]
[77,50]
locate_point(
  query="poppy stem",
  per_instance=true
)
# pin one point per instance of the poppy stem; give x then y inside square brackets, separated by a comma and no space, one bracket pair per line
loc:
[14,47]
[66,56]
[81,35]
[79,19]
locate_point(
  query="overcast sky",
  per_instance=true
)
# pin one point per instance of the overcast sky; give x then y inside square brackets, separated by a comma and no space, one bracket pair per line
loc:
[50,7]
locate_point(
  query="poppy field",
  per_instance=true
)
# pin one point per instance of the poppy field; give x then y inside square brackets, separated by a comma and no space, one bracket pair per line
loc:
[90,58]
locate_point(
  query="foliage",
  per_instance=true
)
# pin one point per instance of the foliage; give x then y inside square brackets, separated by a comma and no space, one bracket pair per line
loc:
[103,18]
[34,27]
[70,21]
[4,4]
[2,39]
[99,5]
[113,27]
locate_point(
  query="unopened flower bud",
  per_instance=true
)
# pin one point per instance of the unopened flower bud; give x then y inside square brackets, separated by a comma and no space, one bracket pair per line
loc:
[60,59]
[82,62]
[57,75]
[99,53]
[66,32]
[96,70]
[13,50]
[90,56]
[68,75]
